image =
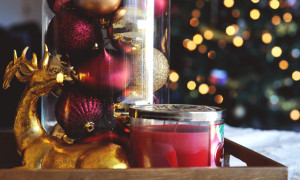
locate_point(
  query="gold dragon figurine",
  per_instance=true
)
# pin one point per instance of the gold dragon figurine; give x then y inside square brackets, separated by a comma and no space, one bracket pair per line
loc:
[40,150]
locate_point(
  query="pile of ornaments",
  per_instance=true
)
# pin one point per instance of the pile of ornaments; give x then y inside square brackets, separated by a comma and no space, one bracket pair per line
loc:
[103,44]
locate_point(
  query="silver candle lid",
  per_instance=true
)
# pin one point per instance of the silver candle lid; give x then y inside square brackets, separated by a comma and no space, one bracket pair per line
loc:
[178,112]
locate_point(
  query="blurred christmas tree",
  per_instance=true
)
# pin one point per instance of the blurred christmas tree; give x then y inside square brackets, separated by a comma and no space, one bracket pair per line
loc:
[241,55]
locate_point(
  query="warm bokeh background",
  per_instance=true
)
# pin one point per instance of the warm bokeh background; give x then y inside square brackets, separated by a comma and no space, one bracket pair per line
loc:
[243,55]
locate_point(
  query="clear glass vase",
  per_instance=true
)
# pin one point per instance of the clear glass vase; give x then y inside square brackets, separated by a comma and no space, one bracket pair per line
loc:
[114,53]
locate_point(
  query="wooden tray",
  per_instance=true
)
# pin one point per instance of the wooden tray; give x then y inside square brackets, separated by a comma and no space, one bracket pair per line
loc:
[258,167]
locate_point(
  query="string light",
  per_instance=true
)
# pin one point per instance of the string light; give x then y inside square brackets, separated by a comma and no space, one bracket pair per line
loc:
[238,41]
[228,3]
[254,14]
[174,77]
[295,115]
[296,75]
[266,38]
[274,4]
[203,89]
[283,64]
[219,99]
[287,17]
[198,39]
[191,85]
[276,20]
[276,51]
[208,34]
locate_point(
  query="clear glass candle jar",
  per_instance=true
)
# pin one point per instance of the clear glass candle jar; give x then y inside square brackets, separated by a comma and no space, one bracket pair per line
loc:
[114,53]
[176,136]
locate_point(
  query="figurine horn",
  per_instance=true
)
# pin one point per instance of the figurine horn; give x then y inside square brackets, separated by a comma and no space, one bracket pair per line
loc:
[45,60]
[34,60]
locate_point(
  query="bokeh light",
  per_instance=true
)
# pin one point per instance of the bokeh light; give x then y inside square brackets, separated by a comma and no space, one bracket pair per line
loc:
[194,22]
[191,85]
[246,35]
[283,64]
[219,99]
[296,75]
[295,115]
[228,3]
[196,13]
[236,13]
[203,89]
[191,46]
[212,90]
[295,53]
[238,41]
[174,77]
[208,34]
[266,37]
[230,30]
[184,43]
[276,20]
[222,43]
[274,4]
[211,54]
[198,38]
[287,17]
[202,49]
[254,14]
[255,1]
[276,51]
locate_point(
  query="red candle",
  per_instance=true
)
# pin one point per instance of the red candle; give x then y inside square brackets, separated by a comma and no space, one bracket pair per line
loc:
[170,146]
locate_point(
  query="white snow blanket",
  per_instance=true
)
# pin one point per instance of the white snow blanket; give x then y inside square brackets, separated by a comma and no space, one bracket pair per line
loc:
[281,146]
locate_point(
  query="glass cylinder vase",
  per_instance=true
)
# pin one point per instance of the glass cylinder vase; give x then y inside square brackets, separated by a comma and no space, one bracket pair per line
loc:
[112,53]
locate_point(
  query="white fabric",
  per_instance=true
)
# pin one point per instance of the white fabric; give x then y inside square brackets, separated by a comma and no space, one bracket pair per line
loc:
[281,146]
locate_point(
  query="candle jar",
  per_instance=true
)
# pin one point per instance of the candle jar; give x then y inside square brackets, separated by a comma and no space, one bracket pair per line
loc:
[176,136]
[114,53]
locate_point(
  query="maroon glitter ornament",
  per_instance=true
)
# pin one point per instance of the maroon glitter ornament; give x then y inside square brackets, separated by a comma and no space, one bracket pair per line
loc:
[57,5]
[107,73]
[80,114]
[160,7]
[71,33]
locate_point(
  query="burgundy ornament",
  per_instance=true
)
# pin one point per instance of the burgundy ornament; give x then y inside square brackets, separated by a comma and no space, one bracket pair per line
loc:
[160,7]
[57,5]
[72,34]
[80,114]
[98,7]
[106,73]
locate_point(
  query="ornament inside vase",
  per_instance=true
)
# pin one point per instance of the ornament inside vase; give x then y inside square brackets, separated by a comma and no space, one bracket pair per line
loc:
[79,114]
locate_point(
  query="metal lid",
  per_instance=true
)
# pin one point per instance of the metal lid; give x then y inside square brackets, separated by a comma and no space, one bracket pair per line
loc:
[178,112]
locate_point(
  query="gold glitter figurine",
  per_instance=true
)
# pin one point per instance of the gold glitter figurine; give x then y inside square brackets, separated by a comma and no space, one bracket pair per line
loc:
[39,149]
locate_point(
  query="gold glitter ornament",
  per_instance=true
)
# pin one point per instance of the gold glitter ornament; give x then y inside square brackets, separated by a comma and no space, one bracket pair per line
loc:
[128,28]
[139,70]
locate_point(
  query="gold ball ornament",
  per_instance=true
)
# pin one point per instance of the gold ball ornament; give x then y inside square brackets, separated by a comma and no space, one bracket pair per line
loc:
[98,7]
[139,70]
[127,29]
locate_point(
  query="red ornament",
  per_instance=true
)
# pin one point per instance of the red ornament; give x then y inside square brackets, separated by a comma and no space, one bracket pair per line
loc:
[57,5]
[160,7]
[72,34]
[108,72]
[79,114]
[98,7]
